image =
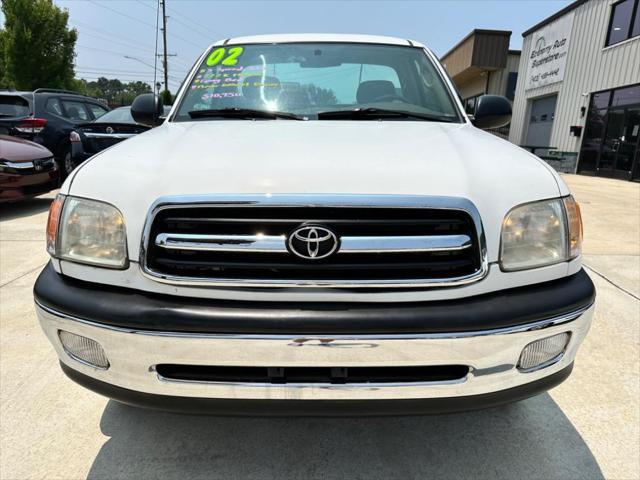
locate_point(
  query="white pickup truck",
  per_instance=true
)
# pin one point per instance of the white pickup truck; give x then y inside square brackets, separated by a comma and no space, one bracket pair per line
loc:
[317,227]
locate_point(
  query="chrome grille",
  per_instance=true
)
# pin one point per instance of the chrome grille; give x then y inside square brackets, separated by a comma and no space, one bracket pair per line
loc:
[389,242]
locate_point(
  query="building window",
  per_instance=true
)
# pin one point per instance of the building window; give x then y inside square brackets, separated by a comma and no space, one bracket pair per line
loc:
[624,22]
[511,85]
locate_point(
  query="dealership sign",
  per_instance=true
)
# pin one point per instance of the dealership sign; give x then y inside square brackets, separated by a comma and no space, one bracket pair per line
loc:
[549,50]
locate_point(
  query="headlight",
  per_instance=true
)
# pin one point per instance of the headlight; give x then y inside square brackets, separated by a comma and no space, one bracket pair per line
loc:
[87,231]
[541,233]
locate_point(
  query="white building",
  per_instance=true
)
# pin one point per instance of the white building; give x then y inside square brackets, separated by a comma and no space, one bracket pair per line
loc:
[578,91]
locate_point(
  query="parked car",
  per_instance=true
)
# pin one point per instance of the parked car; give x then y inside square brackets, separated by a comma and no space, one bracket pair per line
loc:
[47,116]
[370,251]
[87,139]
[26,169]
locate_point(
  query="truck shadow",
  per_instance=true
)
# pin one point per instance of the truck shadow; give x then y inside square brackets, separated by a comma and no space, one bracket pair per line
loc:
[25,208]
[530,439]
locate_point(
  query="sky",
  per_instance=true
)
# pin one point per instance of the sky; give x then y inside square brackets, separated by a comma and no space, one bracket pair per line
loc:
[109,30]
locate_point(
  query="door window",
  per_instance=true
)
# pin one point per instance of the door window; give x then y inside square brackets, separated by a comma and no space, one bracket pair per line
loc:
[53,106]
[97,110]
[75,111]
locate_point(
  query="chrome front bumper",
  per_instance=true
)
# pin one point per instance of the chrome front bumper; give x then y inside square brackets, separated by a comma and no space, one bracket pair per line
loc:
[491,355]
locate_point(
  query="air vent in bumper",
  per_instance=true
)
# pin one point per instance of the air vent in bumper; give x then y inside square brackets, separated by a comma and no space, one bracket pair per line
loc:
[320,375]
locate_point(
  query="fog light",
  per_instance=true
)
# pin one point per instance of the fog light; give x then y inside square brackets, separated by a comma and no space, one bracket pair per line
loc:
[83,349]
[543,353]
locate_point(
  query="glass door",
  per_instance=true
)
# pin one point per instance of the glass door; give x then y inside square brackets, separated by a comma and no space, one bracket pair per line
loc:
[611,143]
[620,144]
[630,147]
[612,135]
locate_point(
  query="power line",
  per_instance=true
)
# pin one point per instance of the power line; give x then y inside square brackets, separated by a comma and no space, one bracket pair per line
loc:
[131,45]
[122,14]
[109,70]
[146,5]
[109,52]
[117,42]
[91,78]
[120,72]
[121,38]
[142,22]
[191,28]
[125,72]
[205,28]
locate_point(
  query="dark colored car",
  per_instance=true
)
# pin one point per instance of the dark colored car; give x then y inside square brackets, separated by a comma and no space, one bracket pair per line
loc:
[47,116]
[26,169]
[87,139]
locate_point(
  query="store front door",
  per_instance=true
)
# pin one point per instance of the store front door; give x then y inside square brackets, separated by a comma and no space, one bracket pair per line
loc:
[611,142]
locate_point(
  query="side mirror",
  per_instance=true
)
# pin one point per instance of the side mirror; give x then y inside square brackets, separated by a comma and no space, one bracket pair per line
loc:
[492,111]
[147,109]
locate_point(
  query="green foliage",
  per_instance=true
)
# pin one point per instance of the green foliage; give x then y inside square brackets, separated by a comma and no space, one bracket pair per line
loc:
[320,96]
[3,81]
[113,91]
[167,99]
[36,47]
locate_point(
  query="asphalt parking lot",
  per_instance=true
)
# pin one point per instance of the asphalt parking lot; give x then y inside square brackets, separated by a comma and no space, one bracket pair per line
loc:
[588,427]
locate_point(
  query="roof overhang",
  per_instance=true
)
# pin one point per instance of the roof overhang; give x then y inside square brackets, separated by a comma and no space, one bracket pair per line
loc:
[479,51]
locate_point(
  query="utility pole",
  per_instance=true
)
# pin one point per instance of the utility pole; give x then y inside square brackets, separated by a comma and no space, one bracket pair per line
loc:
[164,40]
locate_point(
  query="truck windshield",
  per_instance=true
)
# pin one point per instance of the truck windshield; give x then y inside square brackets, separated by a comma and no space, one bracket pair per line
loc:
[307,79]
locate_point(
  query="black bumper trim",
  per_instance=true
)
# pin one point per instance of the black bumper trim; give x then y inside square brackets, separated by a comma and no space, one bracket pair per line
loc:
[312,408]
[137,310]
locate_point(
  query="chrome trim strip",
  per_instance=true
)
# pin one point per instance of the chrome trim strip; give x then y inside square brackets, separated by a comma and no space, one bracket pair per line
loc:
[277,243]
[408,244]
[223,243]
[324,341]
[109,135]
[310,200]
[16,165]
[42,162]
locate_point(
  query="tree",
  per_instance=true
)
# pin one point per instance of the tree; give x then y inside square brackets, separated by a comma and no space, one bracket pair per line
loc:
[320,96]
[167,99]
[113,91]
[37,47]
[3,80]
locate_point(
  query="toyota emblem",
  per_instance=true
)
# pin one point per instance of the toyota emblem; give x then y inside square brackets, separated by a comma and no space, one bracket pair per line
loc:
[313,242]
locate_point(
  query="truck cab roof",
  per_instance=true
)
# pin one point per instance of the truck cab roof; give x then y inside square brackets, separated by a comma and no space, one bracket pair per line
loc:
[319,37]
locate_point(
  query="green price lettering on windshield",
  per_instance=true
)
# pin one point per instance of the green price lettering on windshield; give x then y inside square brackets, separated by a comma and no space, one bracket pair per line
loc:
[218,56]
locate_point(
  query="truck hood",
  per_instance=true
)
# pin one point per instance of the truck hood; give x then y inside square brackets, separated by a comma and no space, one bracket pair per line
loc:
[315,157]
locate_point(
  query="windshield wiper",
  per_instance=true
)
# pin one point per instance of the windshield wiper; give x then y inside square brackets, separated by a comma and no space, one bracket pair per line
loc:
[235,112]
[373,113]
